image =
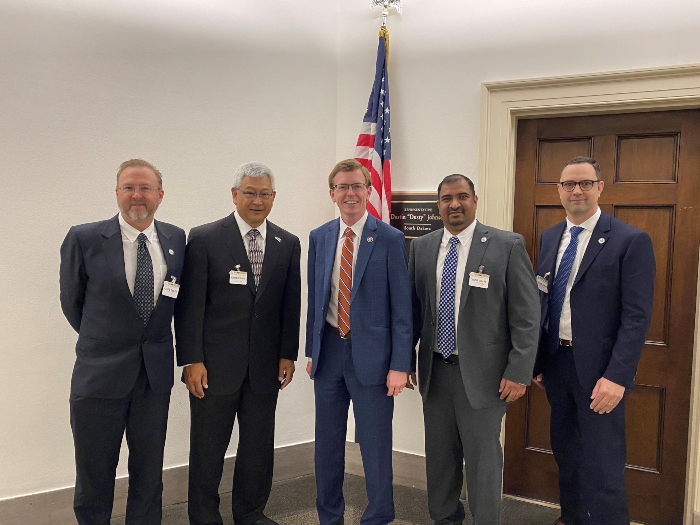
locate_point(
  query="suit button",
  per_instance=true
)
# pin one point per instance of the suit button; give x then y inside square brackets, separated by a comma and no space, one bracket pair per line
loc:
[255,315]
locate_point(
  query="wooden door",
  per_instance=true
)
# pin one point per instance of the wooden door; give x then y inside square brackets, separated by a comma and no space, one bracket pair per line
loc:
[650,163]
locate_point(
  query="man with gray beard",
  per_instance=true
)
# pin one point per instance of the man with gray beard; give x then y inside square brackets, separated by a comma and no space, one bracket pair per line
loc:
[118,281]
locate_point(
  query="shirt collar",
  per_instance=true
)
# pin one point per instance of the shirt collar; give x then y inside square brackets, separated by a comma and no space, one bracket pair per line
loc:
[245,227]
[356,228]
[588,224]
[132,233]
[465,236]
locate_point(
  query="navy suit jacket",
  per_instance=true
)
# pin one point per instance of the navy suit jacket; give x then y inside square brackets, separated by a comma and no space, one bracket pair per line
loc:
[234,329]
[611,300]
[380,303]
[95,298]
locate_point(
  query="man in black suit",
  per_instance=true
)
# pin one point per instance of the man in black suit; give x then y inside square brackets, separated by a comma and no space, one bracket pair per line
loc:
[237,328]
[596,279]
[118,281]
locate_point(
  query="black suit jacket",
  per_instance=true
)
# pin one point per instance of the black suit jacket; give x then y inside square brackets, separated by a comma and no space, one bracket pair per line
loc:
[611,300]
[229,327]
[95,298]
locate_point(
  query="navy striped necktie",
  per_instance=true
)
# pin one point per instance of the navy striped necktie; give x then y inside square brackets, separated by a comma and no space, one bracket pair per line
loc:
[556,296]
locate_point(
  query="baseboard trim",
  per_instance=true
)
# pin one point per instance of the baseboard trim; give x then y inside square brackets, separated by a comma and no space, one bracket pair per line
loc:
[409,469]
[56,507]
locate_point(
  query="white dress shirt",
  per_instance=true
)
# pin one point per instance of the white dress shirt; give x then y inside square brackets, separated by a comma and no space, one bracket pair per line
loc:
[465,243]
[245,228]
[130,245]
[332,315]
[583,238]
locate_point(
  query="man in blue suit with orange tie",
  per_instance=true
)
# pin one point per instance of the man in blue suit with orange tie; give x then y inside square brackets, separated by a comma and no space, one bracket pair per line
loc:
[358,341]
[596,280]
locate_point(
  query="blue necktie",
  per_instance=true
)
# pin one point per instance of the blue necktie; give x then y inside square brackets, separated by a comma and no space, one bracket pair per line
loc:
[143,281]
[446,310]
[556,296]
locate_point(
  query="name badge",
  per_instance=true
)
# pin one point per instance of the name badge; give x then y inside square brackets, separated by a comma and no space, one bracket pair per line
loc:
[170,289]
[542,284]
[478,280]
[238,277]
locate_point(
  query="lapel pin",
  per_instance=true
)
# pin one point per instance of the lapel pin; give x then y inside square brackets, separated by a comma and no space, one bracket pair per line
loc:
[601,241]
[370,239]
[278,239]
[171,252]
[484,239]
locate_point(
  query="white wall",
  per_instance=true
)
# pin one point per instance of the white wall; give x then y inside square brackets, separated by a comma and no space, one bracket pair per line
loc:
[199,87]
[197,91]
[441,51]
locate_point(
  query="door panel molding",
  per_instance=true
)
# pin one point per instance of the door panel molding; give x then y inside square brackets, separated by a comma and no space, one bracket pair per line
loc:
[504,103]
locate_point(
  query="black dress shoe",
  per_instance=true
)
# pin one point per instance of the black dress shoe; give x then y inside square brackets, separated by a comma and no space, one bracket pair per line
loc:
[265,521]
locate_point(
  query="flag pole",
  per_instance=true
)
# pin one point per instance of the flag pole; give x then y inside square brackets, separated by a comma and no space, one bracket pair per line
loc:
[373,148]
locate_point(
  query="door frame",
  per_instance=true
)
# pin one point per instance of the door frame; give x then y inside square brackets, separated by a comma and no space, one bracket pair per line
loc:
[503,103]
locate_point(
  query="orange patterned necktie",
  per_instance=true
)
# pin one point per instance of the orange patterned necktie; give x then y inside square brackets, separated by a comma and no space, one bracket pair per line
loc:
[345,284]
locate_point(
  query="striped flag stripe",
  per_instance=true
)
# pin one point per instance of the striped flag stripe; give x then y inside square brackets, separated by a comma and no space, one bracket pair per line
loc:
[373,148]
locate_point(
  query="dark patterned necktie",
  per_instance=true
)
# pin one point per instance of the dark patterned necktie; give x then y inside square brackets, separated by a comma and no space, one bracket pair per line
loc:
[255,255]
[143,282]
[556,296]
[446,336]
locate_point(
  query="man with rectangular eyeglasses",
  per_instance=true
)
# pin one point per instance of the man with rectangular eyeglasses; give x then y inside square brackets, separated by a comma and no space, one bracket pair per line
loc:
[119,280]
[358,341]
[596,280]
[237,327]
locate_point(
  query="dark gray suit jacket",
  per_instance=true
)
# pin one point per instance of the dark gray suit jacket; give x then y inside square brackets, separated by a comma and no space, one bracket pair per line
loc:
[498,326]
[95,298]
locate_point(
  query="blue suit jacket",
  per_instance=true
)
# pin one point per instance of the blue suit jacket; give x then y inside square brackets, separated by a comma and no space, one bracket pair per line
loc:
[611,300]
[380,306]
[95,298]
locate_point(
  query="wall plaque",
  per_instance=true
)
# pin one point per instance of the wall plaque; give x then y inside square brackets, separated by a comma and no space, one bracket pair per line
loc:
[415,213]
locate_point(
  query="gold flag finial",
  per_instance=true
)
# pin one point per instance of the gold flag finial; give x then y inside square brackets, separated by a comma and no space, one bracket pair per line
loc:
[386,5]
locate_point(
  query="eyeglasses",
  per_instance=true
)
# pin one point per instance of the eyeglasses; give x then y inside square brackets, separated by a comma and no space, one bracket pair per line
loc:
[143,190]
[265,195]
[342,188]
[585,185]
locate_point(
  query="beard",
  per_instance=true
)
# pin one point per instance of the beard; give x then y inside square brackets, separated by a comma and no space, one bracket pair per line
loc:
[136,216]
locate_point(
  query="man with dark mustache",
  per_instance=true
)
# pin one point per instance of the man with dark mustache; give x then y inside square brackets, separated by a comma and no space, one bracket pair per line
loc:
[475,313]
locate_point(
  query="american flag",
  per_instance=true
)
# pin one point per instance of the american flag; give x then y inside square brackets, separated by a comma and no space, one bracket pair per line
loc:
[373,149]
